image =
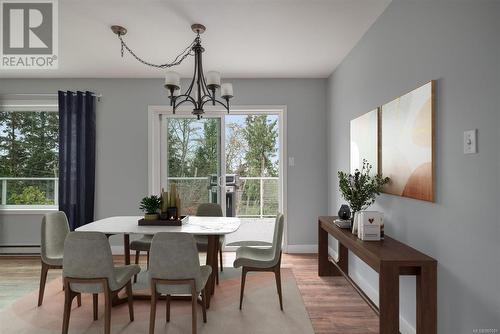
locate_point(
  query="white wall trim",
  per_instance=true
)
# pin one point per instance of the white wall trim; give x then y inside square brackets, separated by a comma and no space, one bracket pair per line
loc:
[301,249]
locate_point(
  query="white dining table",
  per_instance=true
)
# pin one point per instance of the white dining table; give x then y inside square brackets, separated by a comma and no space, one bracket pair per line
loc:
[212,227]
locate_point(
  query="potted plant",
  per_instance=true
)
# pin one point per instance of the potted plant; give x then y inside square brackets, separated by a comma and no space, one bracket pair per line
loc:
[360,189]
[150,206]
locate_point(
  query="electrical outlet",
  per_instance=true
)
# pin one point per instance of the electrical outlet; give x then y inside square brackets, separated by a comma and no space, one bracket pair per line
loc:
[470,141]
[291,161]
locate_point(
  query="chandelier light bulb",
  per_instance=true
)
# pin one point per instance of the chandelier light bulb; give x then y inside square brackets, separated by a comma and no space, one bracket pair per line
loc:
[226,90]
[172,79]
[213,79]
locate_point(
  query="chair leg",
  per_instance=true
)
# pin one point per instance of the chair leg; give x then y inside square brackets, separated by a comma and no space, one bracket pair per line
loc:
[204,304]
[130,300]
[152,314]
[194,299]
[147,260]
[79,299]
[277,275]
[68,298]
[217,276]
[43,280]
[95,303]
[137,253]
[167,311]
[243,277]
[220,256]
[107,313]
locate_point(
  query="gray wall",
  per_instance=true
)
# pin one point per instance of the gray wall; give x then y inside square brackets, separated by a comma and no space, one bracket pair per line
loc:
[457,44]
[121,171]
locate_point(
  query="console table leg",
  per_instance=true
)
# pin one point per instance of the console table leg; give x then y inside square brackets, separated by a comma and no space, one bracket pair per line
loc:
[325,268]
[427,299]
[389,299]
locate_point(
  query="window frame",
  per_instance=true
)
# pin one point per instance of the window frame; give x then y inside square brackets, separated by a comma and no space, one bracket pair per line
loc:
[155,113]
[29,104]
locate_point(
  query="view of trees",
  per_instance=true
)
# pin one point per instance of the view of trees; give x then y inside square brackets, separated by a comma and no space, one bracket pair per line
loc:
[251,151]
[29,148]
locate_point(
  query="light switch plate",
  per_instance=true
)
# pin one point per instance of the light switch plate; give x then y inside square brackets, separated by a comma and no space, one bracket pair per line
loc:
[470,141]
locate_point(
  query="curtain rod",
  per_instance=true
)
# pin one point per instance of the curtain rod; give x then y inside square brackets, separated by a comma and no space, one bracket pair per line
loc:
[40,94]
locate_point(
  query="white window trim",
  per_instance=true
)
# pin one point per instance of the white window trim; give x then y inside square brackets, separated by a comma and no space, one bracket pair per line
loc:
[154,143]
[28,105]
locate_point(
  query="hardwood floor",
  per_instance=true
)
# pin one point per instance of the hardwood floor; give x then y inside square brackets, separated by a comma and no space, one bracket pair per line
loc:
[333,305]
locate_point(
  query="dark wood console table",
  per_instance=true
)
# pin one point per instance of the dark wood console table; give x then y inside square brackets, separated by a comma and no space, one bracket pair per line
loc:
[390,258]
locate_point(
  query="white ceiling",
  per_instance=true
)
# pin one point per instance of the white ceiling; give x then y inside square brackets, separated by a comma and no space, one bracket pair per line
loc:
[244,38]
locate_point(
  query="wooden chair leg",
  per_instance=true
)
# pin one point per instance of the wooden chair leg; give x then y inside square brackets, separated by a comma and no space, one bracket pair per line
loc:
[147,260]
[137,253]
[168,309]
[217,276]
[243,277]
[194,300]
[107,312]
[152,314]
[130,300]
[95,302]
[79,299]
[220,257]
[43,280]
[68,298]
[204,305]
[277,275]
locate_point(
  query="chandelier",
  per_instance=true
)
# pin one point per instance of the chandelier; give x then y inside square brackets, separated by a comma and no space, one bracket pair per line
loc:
[201,90]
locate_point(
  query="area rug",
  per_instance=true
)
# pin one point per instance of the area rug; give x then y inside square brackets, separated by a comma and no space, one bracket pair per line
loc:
[261,312]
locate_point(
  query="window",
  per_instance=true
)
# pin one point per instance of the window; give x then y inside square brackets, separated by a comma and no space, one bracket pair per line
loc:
[29,156]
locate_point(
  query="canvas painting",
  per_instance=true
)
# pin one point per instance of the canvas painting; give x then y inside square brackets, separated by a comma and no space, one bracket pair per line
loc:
[407,140]
[364,141]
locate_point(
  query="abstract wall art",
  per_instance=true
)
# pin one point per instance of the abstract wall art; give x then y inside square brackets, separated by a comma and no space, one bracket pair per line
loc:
[364,140]
[407,144]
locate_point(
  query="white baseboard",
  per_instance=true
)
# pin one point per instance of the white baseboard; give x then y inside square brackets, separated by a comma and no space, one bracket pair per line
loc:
[301,249]
[20,250]
[369,289]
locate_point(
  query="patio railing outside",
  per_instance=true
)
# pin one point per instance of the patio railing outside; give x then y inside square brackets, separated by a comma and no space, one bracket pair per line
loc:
[29,191]
[255,196]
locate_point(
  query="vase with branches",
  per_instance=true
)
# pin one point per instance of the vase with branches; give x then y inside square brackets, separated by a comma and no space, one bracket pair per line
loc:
[360,188]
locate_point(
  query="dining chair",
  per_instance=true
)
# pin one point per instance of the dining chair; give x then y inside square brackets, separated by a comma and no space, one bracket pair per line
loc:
[88,268]
[210,210]
[55,228]
[175,269]
[141,245]
[262,259]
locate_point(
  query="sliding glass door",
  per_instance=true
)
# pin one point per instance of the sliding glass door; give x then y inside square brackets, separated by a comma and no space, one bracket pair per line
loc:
[234,160]
[191,160]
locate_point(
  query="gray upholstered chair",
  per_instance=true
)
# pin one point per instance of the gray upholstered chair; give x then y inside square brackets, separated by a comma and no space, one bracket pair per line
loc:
[262,259]
[55,228]
[88,268]
[175,269]
[141,245]
[210,210]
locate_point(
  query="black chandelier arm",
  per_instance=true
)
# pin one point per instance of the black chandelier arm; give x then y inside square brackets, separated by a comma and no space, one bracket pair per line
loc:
[187,98]
[225,105]
[178,59]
